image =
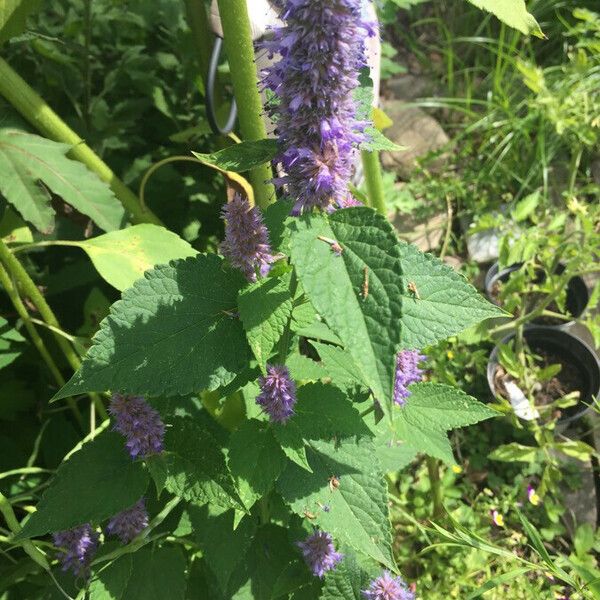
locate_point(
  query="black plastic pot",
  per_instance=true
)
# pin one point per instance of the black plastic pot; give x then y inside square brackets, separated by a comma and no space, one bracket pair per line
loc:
[571,349]
[577,299]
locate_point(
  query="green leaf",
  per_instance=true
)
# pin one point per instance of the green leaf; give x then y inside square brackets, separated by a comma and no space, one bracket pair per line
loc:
[357,510]
[13,16]
[303,368]
[376,141]
[444,303]
[526,206]
[96,483]
[178,315]
[368,327]
[195,467]
[12,343]
[151,573]
[339,365]
[223,547]
[346,582]
[255,460]
[26,159]
[265,308]
[430,411]
[122,257]
[513,13]
[490,584]
[515,452]
[241,157]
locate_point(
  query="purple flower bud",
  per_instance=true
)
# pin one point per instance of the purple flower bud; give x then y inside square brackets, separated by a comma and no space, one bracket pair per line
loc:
[321,50]
[246,243]
[139,423]
[277,393]
[387,587]
[319,552]
[76,547]
[407,372]
[129,523]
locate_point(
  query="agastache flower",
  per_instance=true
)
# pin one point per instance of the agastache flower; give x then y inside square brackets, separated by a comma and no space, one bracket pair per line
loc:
[321,49]
[407,372]
[76,547]
[129,523]
[277,393]
[139,423]
[319,552]
[387,587]
[246,243]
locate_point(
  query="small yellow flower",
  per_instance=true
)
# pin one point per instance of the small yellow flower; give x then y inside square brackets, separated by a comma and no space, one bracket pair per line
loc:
[497,518]
[533,497]
[457,469]
[450,354]
[576,207]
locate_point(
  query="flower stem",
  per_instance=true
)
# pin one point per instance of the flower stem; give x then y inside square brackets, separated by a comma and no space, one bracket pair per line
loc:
[436,487]
[20,275]
[374,181]
[40,115]
[38,342]
[240,53]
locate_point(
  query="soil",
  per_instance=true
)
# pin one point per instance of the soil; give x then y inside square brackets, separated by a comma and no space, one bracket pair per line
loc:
[569,379]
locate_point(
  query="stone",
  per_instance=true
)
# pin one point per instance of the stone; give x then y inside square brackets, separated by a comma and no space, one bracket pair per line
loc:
[419,132]
[409,87]
[425,234]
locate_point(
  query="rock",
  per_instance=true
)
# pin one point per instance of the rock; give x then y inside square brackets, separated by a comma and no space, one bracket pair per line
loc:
[410,87]
[418,132]
[425,234]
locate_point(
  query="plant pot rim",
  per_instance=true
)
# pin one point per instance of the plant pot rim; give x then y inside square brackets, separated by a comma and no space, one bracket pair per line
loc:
[551,332]
[494,274]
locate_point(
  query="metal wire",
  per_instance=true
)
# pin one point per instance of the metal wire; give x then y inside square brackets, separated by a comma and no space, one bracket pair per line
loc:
[210,94]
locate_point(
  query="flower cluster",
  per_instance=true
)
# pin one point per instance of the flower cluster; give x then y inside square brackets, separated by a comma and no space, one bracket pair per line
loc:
[129,523]
[246,243]
[321,50]
[139,423]
[387,587]
[319,552]
[407,372]
[277,393]
[76,547]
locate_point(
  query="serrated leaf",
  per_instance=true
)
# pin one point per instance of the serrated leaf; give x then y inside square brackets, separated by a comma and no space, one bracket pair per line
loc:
[152,573]
[96,483]
[338,365]
[241,157]
[26,159]
[265,308]
[255,460]
[346,582]
[368,327]
[184,339]
[357,510]
[444,303]
[13,16]
[303,368]
[12,343]
[223,547]
[122,257]
[515,452]
[430,411]
[376,141]
[195,466]
[513,13]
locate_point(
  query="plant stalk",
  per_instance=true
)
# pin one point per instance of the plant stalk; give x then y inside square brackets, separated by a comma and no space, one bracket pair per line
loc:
[436,487]
[201,34]
[240,53]
[24,99]
[374,181]
[20,275]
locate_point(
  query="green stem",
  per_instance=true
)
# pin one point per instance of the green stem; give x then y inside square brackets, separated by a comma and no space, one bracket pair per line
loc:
[20,275]
[240,53]
[38,342]
[374,181]
[201,33]
[437,499]
[40,115]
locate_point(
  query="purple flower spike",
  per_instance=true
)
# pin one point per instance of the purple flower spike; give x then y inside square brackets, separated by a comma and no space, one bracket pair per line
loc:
[129,523]
[387,587]
[407,372]
[321,50]
[319,552]
[246,243]
[76,547]
[277,393]
[139,423]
